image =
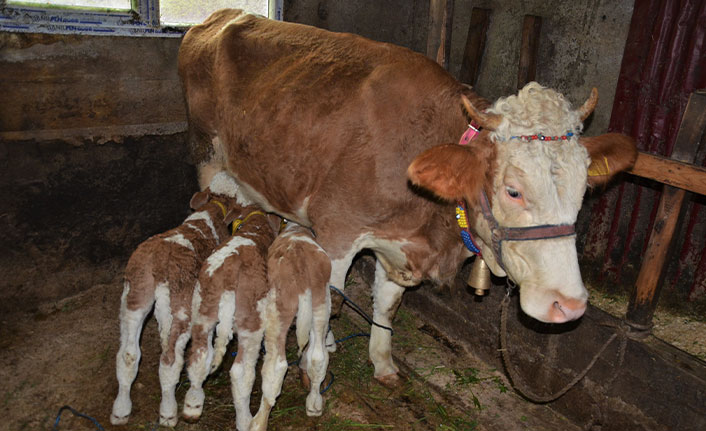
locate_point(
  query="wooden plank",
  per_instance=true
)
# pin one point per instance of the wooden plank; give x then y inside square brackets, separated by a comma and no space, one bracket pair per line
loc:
[645,295]
[674,173]
[531,28]
[439,31]
[475,45]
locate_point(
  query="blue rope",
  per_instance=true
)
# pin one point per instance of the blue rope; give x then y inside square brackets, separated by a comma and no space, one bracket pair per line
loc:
[360,311]
[58,417]
[329,384]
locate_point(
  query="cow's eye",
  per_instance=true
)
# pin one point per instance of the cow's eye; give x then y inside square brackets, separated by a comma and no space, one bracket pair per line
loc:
[514,194]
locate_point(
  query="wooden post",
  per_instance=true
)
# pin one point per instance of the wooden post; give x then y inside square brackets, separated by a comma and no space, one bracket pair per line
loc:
[531,28]
[645,296]
[475,45]
[439,31]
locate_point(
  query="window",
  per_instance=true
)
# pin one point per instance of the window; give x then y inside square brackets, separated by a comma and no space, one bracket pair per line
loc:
[119,17]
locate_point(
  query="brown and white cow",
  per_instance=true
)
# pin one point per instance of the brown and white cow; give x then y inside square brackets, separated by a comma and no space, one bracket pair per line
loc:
[341,134]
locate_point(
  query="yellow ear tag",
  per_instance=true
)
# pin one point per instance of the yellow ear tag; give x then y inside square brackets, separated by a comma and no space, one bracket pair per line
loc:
[596,170]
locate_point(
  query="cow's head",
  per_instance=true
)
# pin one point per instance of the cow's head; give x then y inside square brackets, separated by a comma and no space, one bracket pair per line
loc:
[529,182]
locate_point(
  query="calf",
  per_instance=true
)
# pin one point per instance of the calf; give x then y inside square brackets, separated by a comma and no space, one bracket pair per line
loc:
[232,289]
[298,272]
[162,273]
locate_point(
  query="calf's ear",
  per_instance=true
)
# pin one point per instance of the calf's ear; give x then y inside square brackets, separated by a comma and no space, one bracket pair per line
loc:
[198,200]
[610,154]
[450,171]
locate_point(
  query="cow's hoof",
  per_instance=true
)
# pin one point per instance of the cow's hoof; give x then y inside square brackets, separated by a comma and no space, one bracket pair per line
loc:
[390,380]
[119,420]
[304,378]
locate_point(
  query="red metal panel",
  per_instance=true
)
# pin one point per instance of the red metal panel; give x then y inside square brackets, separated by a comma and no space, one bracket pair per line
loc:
[663,63]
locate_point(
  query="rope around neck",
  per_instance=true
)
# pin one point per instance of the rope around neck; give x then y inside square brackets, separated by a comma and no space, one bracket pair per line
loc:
[521,386]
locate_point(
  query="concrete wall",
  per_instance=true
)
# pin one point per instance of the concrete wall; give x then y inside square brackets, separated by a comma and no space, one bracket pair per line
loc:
[93,159]
[581,43]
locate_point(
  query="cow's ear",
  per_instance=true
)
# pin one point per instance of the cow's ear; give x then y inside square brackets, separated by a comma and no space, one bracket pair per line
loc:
[198,200]
[610,154]
[450,171]
[230,216]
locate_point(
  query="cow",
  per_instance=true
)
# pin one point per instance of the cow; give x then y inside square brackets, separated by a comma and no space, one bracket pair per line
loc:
[359,141]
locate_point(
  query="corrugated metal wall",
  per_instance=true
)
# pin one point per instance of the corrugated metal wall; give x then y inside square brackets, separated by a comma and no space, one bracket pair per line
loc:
[664,62]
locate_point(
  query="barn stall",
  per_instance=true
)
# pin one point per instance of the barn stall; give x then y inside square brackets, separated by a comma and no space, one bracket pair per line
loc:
[95,160]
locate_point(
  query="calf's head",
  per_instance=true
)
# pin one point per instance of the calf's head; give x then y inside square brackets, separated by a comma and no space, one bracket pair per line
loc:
[534,169]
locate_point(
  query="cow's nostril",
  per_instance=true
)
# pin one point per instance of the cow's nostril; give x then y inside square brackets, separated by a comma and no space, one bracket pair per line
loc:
[569,310]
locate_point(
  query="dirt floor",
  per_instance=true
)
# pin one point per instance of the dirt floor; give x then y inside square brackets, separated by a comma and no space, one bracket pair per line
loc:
[64,354]
[683,329]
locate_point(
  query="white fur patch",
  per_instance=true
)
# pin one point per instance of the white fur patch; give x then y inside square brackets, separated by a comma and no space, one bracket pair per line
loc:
[203,215]
[178,238]
[215,260]
[162,311]
[224,184]
[196,228]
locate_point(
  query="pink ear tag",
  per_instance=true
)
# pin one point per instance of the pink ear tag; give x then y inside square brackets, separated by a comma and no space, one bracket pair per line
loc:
[469,135]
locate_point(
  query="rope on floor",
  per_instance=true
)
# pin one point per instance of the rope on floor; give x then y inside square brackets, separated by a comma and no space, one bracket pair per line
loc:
[76,413]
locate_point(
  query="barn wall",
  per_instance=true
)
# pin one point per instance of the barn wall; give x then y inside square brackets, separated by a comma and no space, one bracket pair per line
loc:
[93,158]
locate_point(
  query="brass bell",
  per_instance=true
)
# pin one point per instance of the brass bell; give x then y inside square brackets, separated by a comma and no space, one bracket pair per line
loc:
[479,278]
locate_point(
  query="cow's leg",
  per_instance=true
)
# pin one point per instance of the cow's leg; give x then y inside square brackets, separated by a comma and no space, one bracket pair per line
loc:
[274,366]
[242,375]
[172,358]
[318,355]
[387,296]
[128,358]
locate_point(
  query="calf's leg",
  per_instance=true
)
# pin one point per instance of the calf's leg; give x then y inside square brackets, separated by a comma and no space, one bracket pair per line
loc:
[242,375]
[172,358]
[128,358]
[318,355]
[274,366]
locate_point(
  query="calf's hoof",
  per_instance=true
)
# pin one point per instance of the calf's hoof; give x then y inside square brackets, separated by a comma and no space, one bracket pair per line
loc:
[119,420]
[168,421]
[193,405]
[314,404]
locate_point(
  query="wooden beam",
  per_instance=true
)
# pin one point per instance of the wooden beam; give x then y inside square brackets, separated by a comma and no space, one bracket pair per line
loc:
[439,31]
[475,45]
[645,295]
[674,173]
[531,28]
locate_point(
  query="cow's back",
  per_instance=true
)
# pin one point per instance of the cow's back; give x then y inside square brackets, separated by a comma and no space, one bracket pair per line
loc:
[321,126]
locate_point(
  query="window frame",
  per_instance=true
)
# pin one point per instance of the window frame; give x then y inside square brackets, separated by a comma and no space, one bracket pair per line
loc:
[141,20]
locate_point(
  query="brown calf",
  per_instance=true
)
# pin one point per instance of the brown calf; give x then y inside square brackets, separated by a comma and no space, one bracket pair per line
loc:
[162,273]
[298,272]
[232,290]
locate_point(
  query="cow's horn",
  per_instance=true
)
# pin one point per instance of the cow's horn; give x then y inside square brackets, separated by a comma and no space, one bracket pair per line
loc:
[589,105]
[484,119]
